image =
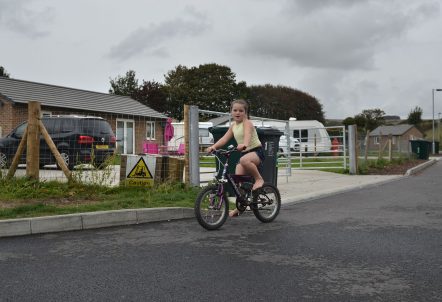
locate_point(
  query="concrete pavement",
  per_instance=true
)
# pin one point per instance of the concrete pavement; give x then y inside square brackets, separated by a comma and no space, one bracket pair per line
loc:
[302,186]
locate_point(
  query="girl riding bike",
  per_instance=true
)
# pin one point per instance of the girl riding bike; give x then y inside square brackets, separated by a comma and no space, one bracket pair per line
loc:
[245,134]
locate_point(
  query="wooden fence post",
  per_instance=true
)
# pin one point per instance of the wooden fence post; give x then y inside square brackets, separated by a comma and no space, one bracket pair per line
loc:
[54,151]
[367,141]
[33,141]
[16,160]
[390,151]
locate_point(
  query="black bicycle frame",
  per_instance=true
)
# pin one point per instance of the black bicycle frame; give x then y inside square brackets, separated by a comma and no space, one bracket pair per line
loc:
[232,179]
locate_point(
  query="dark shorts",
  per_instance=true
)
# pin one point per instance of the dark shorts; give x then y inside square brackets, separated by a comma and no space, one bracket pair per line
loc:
[260,152]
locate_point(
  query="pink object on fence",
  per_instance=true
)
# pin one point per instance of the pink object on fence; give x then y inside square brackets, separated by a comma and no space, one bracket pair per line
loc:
[150,148]
[168,131]
[181,149]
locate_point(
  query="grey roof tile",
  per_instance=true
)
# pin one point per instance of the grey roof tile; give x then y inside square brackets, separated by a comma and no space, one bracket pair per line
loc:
[393,130]
[20,91]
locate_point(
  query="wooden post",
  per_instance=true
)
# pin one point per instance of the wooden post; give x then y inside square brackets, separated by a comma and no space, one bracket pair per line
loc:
[186,142]
[367,141]
[380,145]
[390,155]
[54,150]
[33,141]
[16,160]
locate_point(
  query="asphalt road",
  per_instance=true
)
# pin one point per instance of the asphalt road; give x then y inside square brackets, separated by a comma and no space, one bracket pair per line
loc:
[382,243]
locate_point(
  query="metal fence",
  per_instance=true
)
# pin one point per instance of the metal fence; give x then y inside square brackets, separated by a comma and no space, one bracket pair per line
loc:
[93,149]
[320,148]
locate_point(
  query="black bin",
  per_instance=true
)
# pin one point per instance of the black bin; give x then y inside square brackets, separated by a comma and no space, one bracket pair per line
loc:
[421,148]
[269,138]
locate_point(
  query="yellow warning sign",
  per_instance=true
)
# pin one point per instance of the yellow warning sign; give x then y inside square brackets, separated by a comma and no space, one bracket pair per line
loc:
[140,174]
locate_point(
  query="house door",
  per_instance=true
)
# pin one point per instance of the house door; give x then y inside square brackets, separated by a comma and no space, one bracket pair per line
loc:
[125,136]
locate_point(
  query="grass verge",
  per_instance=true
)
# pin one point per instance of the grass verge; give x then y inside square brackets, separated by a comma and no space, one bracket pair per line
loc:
[21,198]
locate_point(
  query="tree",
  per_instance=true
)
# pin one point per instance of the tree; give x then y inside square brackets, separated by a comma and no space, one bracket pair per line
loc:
[127,85]
[209,86]
[348,121]
[369,119]
[415,116]
[3,72]
[152,94]
[282,102]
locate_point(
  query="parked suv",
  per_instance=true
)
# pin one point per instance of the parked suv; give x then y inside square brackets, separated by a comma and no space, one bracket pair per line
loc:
[79,139]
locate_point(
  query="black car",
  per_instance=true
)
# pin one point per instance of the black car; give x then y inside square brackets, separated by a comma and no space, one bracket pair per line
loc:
[79,139]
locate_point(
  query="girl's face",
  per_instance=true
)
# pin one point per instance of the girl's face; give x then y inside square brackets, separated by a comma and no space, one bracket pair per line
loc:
[238,112]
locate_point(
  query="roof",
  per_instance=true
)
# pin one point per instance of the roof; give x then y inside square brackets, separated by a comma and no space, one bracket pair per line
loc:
[393,130]
[220,120]
[19,91]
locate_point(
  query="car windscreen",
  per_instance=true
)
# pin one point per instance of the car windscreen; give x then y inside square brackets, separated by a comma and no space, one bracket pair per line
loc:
[96,127]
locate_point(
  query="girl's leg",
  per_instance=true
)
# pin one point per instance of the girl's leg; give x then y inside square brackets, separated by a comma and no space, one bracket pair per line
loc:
[248,164]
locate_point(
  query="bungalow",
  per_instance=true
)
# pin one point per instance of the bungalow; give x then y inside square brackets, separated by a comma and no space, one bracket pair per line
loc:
[400,136]
[132,122]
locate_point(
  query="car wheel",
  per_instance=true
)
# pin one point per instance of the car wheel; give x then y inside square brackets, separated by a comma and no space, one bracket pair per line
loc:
[3,161]
[67,158]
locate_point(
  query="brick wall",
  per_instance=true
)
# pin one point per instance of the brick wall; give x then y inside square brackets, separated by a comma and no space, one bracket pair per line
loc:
[11,115]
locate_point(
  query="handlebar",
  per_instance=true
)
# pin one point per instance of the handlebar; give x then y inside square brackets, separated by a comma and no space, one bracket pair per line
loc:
[229,150]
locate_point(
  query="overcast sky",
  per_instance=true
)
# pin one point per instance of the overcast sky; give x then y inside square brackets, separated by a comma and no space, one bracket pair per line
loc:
[350,54]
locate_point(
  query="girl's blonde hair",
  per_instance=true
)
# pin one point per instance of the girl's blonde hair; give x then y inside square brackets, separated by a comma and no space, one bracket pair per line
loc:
[241,102]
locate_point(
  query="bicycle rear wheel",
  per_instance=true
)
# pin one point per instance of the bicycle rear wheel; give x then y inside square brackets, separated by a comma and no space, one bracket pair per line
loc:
[266,203]
[211,209]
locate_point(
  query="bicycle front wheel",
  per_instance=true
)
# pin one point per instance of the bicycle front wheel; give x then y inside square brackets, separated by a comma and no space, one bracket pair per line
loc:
[211,208]
[266,203]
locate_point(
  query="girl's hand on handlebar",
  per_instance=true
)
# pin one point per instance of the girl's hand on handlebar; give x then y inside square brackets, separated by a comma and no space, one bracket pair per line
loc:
[210,149]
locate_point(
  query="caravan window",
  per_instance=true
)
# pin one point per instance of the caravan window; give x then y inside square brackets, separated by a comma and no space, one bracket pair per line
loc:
[301,135]
[203,132]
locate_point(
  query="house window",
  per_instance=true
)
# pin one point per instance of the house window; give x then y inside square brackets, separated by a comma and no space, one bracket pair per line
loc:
[150,130]
[376,140]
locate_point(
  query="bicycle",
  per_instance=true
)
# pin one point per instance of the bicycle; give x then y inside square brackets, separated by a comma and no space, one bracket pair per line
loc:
[212,204]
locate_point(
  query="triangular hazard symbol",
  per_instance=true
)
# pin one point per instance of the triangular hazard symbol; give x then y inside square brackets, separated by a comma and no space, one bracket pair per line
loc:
[140,170]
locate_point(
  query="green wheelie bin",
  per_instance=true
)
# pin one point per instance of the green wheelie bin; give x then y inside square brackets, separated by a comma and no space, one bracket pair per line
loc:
[422,148]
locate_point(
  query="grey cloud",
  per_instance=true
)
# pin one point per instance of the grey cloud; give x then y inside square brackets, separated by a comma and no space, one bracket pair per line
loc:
[151,39]
[301,6]
[338,37]
[16,17]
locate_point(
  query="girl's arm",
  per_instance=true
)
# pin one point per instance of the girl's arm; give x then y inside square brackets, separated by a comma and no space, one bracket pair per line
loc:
[248,125]
[222,141]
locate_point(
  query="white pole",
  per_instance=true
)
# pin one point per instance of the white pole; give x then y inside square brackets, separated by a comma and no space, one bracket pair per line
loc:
[434,146]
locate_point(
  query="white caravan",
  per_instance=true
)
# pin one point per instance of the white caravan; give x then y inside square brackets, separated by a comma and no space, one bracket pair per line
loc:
[309,136]
[205,137]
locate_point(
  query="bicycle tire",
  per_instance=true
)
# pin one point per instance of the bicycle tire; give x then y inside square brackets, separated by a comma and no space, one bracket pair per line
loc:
[266,203]
[210,211]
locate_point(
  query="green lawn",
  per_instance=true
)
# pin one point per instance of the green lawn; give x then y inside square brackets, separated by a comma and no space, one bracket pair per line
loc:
[24,198]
